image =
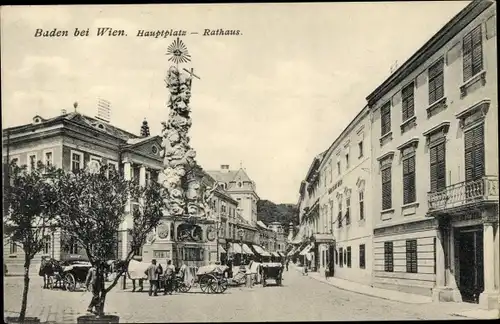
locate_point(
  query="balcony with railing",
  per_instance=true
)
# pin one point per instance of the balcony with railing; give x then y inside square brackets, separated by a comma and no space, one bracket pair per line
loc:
[463,195]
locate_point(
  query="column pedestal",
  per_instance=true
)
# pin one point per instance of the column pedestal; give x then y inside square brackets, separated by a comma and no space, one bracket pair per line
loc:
[489,297]
[489,300]
[446,294]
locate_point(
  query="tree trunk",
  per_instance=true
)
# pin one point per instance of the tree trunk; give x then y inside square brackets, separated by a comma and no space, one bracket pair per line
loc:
[24,303]
[101,292]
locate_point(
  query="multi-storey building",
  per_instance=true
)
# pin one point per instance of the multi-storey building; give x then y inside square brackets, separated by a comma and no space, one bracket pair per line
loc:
[308,205]
[249,238]
[435,165]
[71,141]
[240,187]
[343,231]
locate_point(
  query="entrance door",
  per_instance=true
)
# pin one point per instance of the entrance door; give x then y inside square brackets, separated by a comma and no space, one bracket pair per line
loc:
[470,243]
[331,260]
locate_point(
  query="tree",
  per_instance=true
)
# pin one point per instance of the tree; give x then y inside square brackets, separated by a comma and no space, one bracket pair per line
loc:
[92,210]
[30,200]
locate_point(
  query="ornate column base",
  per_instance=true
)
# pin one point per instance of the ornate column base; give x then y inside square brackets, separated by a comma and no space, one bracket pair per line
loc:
[446,294]
[489,300]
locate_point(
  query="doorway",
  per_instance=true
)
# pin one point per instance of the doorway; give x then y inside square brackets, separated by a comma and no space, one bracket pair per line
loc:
[470,250]
[331,260]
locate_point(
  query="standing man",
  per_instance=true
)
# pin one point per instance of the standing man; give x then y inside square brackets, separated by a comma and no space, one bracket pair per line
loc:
[152,273]
[90,282]
[287,262]
[230,265]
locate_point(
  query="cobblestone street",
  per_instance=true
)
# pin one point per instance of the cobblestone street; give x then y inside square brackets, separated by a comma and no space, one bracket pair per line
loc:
[301,298]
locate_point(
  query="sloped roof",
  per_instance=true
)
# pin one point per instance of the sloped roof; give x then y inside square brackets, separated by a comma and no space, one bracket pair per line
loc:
[230,177]
[80,119]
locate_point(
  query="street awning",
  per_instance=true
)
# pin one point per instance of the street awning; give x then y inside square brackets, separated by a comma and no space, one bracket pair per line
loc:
[292,251]
[235,248]
[247,250]
[306,249]
[221,249]
[261,251]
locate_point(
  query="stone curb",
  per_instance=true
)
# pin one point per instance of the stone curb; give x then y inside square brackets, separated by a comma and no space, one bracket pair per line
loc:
[365,293]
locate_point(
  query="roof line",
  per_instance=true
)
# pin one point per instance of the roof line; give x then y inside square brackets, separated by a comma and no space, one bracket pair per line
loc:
[471,11]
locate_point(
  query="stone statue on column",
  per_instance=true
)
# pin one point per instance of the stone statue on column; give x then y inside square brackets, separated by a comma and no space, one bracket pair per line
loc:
[180,176]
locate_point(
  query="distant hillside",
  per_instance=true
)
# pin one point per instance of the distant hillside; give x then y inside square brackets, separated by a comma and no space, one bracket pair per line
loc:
[269,212]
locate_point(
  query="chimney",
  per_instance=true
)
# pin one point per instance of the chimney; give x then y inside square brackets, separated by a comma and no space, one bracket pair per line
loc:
[145,128]
[63,112]
[224,167]
[103,110]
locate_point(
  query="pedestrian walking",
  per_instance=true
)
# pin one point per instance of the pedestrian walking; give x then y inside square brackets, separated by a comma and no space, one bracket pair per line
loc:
[152,273]
[286,264]
[90,284]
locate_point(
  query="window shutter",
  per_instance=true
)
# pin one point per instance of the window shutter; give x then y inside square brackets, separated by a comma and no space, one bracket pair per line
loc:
[432,92]
[469,139]
[477,59]
[433,167]
[477,50]
[439,92]
[479,151]
[469,166]
[467,56]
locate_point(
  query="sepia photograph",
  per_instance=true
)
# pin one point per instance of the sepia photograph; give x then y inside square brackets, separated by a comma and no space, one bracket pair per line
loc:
[256,162]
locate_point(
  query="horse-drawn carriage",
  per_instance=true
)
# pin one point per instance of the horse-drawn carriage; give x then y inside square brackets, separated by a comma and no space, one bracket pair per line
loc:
[271,270]
[210,278]
[68,275]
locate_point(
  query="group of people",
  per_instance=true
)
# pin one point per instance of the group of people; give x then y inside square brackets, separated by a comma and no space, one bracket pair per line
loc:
[160,279]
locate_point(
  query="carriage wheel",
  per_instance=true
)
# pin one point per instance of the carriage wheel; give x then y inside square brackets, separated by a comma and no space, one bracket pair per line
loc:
[218,285]
[204,283]
[70,282]
[222,285]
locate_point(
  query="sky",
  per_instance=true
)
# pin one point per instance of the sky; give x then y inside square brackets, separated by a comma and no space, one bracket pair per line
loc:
[268,99]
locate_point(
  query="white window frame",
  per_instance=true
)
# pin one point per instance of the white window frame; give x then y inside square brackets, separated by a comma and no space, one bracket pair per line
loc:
[96,158]
[29,160]
[114,163]
[44,157]
[72,152]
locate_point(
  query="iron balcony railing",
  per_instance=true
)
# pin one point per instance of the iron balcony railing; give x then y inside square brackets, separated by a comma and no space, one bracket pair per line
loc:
[465,193]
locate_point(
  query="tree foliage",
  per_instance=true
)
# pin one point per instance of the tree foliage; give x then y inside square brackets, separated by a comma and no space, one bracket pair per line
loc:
[269,212]
[30,201]
[93,208]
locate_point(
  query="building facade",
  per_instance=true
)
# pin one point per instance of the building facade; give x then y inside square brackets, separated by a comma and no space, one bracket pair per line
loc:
[240,187]
[344,228]
[435,165]
[71,141]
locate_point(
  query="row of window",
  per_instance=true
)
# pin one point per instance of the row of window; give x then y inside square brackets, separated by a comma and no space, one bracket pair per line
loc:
[474,167]
[472,65]
[411,256]
[327,176]
[324,219]
[48,160]
[343,257]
